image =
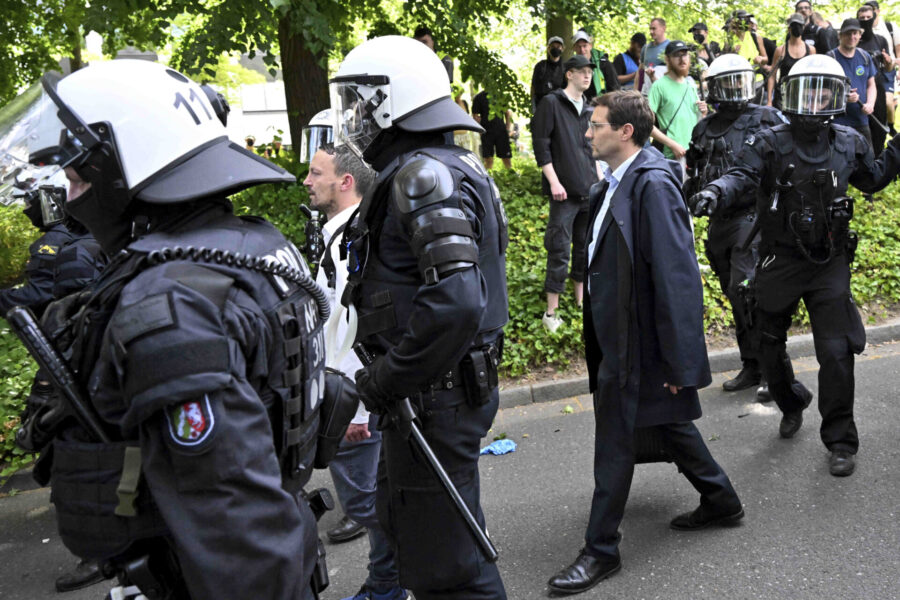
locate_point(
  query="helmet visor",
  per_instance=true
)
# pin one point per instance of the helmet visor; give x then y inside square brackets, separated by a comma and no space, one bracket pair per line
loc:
[732,87]
[314,137]
[814,95]
[30,134]
[360,113]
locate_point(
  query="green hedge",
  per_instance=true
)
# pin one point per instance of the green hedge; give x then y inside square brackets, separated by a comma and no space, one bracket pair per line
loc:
[875,282]
[16,233]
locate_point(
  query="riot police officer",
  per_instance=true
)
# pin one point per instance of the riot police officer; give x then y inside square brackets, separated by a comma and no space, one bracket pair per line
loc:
[63,260]
[199,347]
[715,142]
[428,281]
[803,170]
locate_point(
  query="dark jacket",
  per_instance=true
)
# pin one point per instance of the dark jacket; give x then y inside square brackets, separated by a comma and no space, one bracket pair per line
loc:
[659,313]
[546,77]
[37,291]
[558,138]
[610,82]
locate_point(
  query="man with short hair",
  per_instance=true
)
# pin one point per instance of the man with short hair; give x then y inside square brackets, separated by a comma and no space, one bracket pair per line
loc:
[604,78]
[860,69]
[879,49]
[423,34]
[653,61]
[643,331]
[568,172]
[674,101]
[548,73]
[628,63]
[336,183]
[495,139]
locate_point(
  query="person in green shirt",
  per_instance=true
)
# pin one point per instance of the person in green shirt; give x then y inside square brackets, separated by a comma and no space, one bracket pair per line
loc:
[673,98]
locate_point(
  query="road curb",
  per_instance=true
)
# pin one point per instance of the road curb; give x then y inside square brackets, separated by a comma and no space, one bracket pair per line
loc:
[720,361]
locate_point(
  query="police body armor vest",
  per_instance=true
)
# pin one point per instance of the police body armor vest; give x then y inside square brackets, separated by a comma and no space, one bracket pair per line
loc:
[102,505]
[384,296]
[721,148]
[817,179]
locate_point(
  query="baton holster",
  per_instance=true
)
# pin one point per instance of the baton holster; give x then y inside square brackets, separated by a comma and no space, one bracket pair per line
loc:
[480,373]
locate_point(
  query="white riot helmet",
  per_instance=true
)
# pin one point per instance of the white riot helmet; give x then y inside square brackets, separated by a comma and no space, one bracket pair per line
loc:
[392,81]
[815,86]
[730,80]
[319,132]
[151,124]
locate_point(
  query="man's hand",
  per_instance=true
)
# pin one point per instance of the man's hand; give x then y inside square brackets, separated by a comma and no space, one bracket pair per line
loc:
[678,150]
[372,397]
[673,389]
[704,109]
[868,108]
[558,192]
[703,202]
[853,96]
[357,432]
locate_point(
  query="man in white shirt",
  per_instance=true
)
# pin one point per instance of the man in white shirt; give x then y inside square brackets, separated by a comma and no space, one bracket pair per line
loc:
[336,183]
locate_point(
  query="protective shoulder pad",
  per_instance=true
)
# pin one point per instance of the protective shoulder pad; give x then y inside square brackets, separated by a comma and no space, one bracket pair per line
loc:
[421,182]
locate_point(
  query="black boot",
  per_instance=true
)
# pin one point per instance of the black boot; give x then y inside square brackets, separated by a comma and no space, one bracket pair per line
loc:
[748,377]
[84,574]
[763,394]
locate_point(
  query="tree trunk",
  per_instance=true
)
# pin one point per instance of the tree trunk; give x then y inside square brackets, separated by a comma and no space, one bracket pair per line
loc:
[561,26]
[305,80]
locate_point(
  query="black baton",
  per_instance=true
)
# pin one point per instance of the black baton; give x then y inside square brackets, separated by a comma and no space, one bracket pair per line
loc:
[404,412]
[46,356]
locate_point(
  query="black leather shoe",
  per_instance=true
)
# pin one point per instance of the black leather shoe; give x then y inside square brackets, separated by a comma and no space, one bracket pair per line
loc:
[841,463]
[583,574]
[84,574]
[701,518]
[763,395]
[347,529]
[790,423]
[748,377]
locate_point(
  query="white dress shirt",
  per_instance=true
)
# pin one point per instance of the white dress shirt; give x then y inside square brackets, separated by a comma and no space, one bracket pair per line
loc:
[614,177]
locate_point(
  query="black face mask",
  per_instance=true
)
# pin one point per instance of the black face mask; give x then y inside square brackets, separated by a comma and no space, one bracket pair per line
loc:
[796,29]
[33,211]
[555,52]
[699,38]
[808,128]
[866,24]
[107,221]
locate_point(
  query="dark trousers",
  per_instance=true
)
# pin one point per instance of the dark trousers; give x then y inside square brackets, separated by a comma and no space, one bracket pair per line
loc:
[435,552]
[733,265]
[782,280]
[614,468]
[566,234]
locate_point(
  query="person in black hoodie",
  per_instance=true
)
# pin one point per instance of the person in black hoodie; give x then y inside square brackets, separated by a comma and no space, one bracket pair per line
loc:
[564,156]
[878,48]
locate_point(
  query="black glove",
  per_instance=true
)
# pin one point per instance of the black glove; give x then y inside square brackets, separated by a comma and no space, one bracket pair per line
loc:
[375,400]
[43,413]
[704,202]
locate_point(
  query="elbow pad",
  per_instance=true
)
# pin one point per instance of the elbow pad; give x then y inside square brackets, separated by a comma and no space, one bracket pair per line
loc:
[427,197]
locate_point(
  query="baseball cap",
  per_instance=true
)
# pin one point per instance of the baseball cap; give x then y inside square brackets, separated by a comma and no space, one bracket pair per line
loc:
[578,62]
[581,34]
[676,46]
[698,27]
[796,18]
[850,25]
[873,4]
[556,40]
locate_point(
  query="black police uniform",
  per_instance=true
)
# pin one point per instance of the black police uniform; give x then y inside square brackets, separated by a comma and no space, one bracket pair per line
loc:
[208,373]
[715,142]
[38,289]
[804,254]
[432,303]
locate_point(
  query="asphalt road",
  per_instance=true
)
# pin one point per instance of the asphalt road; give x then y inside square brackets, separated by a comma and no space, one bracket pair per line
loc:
[806,535]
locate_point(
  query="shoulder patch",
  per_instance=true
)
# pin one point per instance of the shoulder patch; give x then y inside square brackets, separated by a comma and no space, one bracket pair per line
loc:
[751,139]
[191,423]
[150,314]
[48,249]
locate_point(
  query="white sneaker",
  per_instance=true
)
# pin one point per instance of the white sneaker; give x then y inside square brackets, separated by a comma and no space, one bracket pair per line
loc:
[551,322]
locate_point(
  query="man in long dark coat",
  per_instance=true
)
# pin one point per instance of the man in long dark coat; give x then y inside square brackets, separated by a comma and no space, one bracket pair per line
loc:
[643,329]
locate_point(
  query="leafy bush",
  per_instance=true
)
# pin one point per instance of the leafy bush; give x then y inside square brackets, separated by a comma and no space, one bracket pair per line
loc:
[16,233]
[16,373]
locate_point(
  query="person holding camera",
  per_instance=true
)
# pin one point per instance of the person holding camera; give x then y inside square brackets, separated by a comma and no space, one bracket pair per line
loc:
[803,170]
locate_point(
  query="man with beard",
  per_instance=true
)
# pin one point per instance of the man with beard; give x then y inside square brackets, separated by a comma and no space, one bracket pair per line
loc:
[802,171]
[715,142]
[674,101]
[643,332]
[628,63]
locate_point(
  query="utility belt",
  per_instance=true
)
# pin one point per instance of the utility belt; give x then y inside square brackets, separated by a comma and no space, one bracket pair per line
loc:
[477,373]
[737,214]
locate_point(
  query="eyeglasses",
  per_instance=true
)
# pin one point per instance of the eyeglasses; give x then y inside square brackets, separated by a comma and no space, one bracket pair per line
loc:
[595,125]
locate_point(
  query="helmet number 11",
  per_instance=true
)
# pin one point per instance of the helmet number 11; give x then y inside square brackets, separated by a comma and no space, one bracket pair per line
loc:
[192,98]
